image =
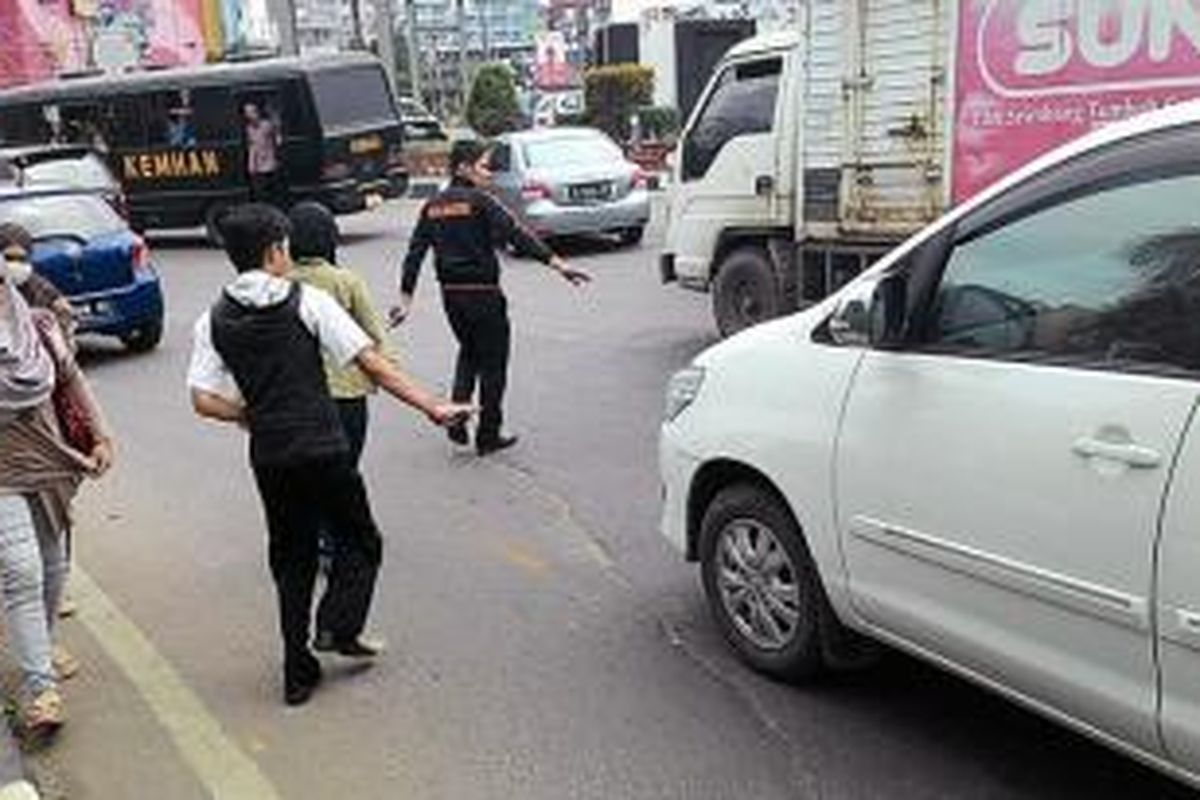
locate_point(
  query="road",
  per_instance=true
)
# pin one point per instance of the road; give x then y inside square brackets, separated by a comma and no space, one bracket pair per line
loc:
[543,641]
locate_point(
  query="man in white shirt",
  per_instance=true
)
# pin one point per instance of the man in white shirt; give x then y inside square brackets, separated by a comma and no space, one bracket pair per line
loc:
[256,361]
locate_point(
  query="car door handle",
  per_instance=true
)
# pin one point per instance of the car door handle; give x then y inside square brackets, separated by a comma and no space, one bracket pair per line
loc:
[764,185]
[1129,454]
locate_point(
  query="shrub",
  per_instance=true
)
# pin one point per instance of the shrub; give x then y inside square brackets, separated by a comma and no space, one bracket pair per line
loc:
[613,93]
[492,106]
[659,123]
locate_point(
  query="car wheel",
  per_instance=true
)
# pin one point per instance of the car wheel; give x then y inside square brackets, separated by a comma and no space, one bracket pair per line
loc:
[212,223]
[745,291]
[633,236]
[145,338]
[762,586]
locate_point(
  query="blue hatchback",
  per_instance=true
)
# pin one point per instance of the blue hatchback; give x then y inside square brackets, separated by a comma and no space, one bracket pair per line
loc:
[89,253]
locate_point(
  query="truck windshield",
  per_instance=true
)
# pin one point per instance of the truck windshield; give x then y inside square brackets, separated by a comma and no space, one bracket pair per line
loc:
[352,96]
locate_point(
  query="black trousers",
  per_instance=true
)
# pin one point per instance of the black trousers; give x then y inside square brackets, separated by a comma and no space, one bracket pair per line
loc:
[353,413]
[270,188]
[479,320]
[297,499]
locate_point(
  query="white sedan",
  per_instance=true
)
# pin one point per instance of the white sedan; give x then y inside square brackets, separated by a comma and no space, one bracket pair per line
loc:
[985,451]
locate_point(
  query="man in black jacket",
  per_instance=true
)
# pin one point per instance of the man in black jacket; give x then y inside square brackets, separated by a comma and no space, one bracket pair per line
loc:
[464,225]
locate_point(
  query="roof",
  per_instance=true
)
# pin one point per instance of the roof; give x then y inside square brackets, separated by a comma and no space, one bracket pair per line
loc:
[767,42]
[552,133]
[42,152]
[184,77]
[9,193]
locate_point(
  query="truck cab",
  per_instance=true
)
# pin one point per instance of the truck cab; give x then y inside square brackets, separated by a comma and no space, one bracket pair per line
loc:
[810,154]
[732,190]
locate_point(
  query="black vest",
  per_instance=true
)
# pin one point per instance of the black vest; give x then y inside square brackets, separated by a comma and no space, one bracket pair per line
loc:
[276,362]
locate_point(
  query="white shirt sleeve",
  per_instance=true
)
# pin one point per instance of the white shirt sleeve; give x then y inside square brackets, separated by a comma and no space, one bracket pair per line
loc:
[207,371]
[340,336]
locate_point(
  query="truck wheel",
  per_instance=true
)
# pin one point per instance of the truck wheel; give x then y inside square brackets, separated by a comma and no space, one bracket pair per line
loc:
[745,291]
[631,237]
[762,587]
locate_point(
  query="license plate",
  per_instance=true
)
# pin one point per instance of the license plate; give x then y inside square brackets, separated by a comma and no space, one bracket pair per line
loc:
[591,192]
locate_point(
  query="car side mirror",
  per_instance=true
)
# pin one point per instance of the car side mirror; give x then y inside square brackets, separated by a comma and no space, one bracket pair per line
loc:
[871,313]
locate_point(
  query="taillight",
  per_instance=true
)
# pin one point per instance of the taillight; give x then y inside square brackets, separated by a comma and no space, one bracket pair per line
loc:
[534,190]
[640,179]
[139,255]
[335,171]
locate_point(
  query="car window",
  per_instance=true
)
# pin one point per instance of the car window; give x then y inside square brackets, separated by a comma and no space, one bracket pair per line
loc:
[84,172]
[62,215]
[352,96]
[570,151]
[1110,278]
[501,157]
[742,102]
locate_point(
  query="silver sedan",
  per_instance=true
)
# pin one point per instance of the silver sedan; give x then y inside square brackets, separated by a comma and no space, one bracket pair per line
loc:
[566,181]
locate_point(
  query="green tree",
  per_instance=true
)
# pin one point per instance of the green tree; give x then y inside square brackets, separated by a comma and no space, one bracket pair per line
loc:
[492,106]
[613,93]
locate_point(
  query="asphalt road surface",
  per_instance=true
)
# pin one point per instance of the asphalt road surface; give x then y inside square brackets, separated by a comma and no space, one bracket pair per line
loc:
[544,643]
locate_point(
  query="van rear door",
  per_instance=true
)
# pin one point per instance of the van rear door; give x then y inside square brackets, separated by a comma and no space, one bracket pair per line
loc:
[361,134]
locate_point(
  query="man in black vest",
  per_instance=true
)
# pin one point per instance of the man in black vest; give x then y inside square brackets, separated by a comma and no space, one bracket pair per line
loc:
[464,225]
[256,362]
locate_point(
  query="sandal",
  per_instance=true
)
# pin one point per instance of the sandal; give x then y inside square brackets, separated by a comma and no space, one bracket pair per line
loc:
[66,666]
[45,714]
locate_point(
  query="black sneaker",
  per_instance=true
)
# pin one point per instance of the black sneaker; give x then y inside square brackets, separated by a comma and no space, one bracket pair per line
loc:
[458,433]
[300,682]
[488,446]
[359,647]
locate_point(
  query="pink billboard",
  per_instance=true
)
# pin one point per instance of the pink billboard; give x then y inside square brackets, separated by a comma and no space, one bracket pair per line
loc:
[1033,74]
[43,38]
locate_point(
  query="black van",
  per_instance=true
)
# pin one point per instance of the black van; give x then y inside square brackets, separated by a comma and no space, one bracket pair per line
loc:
[178,138]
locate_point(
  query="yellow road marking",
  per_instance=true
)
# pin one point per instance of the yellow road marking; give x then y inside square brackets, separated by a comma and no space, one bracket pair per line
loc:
[524,556]
[225,771]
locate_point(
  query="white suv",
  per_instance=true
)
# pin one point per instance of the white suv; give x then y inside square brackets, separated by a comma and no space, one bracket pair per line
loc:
[984,450]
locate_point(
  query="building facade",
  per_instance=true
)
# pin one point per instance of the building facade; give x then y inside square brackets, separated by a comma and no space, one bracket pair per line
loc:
[453,37]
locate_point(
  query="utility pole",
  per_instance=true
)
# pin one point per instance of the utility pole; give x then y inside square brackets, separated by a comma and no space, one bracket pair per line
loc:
[356,33]
[461,24]
[414,57]
[385,32]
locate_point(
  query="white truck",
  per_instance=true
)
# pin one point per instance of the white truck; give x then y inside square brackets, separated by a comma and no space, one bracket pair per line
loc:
[814,151]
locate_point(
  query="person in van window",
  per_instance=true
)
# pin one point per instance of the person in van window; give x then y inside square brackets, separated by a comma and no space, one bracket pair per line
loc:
[180,131]
[263,141]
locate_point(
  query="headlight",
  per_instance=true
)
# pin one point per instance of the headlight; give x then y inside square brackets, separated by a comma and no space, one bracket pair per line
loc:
[682,390]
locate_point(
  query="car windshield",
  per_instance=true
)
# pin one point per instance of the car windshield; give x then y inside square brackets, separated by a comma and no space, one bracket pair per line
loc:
[87,172]
[61,215]
[570,151]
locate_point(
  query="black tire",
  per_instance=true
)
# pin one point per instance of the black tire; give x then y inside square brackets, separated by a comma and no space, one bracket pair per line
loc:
[145,338]
[212,223]
[631,237]
[799,656]
[745,291]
